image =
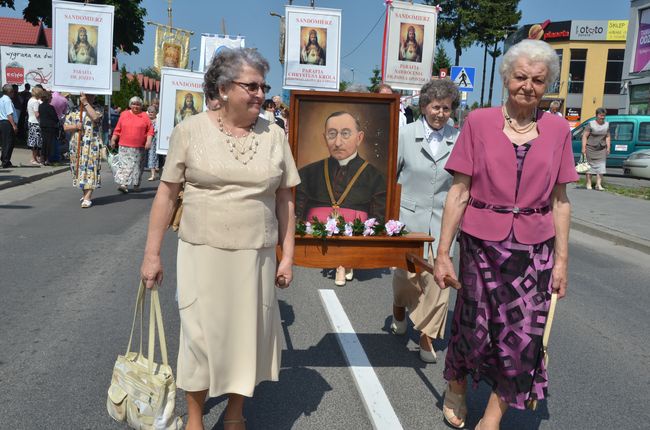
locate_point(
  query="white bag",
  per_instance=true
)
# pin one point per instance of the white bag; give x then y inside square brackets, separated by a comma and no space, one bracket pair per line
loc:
[113,160]
[143,393]
[582,166]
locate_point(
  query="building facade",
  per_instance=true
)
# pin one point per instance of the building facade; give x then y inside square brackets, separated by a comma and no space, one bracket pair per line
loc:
[636,65]
[591,65]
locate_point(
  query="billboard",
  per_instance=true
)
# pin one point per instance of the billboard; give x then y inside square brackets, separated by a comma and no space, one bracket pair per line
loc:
[642,51]
[26,64]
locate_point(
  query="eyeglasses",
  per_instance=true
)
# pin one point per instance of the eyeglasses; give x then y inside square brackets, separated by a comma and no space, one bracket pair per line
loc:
[332,133]
[253,87]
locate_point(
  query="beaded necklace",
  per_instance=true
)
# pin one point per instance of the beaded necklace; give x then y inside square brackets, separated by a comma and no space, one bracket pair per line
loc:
[241,150]
[514,127]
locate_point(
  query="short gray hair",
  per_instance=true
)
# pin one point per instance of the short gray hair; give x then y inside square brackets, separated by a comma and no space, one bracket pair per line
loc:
[555,104]
[536,51]
[152,109]
[439,89]
[226,67]
[601,110]
[7,88]
[135,99]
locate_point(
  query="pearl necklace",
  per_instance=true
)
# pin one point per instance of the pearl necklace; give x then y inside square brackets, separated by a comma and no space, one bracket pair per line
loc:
[520,130]
[237,148]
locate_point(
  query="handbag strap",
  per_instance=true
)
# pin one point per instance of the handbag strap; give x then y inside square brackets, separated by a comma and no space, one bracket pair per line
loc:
[139,308]
[155,319]
[547,328]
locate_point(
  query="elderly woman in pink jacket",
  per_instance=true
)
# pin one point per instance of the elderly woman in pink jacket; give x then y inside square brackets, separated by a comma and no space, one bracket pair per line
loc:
[511,165]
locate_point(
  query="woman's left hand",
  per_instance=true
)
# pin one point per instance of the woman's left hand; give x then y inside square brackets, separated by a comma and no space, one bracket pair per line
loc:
[284,272]
[559,279]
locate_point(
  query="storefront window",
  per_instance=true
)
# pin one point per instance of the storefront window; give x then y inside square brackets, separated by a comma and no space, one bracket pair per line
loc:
[639,97]
[577,68]
[614,71]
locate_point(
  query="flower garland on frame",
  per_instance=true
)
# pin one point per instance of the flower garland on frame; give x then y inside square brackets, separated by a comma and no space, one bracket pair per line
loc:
[336,226]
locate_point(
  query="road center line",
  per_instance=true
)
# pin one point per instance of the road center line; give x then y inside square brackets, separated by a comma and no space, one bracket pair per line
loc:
[374,397]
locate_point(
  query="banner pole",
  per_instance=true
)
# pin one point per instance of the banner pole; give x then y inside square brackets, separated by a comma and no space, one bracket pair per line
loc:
[79,134]
[383,46]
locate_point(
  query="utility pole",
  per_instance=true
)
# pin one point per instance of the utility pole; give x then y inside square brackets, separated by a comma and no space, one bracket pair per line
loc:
[169,13]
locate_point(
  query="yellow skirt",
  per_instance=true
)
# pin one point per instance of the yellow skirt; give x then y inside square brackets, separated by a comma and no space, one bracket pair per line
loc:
[230,320]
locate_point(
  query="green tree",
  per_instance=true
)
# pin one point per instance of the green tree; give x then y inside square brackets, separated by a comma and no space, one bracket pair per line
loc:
[128,89]
[441,60]
[343,85]
[128,29]
[375,79]
[151,72]
[456,23]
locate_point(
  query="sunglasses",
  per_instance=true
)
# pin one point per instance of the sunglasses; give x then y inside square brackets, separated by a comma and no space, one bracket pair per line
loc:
[253,87]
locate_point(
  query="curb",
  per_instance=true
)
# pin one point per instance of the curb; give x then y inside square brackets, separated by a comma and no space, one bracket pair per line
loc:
[28,179]
[615,236]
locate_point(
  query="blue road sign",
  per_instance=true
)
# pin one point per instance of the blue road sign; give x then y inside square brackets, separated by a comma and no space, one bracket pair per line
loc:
[463,77]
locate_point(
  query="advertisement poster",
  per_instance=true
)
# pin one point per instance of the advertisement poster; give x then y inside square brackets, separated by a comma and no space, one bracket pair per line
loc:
[213,43]
[642,51]
[573,116]
[171,48]
[22,64]
[410,45]
[181,96]
[82,41]
[312,53]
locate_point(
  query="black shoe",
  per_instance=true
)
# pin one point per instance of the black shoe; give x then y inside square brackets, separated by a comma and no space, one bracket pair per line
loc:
[7,165]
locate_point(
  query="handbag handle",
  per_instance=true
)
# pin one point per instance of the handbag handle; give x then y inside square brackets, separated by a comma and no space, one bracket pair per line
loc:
[547,328]
[155,319]
[139,308]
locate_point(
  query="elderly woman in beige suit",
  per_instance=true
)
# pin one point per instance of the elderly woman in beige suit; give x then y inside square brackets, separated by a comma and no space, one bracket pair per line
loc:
[424,147]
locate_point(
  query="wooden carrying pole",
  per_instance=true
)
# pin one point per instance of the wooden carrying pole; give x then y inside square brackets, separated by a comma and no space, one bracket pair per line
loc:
[79,137]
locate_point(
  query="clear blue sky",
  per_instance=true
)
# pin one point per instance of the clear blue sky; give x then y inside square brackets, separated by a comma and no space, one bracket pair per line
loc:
[250,18]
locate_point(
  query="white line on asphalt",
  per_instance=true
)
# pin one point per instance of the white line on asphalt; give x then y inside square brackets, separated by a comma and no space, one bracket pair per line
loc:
[374,397]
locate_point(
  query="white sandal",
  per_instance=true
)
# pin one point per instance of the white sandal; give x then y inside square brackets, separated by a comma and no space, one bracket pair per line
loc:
[454,406]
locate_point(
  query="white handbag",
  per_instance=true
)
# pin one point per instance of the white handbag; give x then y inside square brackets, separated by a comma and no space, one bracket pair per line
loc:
[582,166]
[143,393]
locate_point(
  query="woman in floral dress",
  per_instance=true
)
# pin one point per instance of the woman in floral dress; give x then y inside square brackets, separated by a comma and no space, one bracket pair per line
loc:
[85,153]
[153,163]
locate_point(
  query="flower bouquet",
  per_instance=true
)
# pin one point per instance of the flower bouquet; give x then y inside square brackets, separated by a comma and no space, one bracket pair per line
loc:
[337,226]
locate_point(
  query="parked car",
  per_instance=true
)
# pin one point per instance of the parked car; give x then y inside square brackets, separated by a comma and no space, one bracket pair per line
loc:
[638,164]
[629,133]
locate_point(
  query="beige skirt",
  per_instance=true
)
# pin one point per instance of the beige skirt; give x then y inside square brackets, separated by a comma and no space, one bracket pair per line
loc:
[230,319]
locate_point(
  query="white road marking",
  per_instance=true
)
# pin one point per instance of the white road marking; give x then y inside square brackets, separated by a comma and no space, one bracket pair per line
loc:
[381,412]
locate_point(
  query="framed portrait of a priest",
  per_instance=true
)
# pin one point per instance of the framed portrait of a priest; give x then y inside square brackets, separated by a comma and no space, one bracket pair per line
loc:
[345,147]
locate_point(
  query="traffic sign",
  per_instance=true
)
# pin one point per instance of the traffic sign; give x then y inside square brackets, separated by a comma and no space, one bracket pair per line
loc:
[463,77]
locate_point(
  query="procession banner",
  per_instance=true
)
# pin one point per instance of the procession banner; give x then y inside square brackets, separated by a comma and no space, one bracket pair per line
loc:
[22,64]
[312,55]
[172,48]
[181,96]
[211,44]
[410,45]
[82,41]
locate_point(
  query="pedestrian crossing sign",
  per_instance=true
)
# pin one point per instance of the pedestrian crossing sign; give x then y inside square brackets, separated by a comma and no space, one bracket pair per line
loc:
[463,77]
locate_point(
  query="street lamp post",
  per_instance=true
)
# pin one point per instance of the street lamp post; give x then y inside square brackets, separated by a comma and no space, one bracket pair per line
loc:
[194,48]
[352,70]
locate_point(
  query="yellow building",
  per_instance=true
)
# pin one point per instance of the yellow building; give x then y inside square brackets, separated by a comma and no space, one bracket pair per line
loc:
[591,56]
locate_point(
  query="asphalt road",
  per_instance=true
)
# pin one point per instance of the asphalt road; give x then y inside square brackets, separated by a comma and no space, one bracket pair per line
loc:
[68,279]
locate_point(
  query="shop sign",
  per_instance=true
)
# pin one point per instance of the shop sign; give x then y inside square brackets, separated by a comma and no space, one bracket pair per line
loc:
[557,31]
[642,51]
[573,116]
[617,30]
[589,30]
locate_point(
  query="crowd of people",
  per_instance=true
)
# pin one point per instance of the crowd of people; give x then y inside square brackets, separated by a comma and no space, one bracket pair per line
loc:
[233,161]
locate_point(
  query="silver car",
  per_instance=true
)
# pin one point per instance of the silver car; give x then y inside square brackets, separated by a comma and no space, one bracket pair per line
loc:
[638,164]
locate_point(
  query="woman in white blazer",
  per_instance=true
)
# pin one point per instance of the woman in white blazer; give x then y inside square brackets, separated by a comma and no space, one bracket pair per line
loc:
[424,147]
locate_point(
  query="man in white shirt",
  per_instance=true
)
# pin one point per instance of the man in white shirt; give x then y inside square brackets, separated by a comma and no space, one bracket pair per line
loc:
[8,125]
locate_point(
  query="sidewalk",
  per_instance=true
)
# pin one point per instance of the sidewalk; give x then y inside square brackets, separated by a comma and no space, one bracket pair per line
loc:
[623,220]
[24,172]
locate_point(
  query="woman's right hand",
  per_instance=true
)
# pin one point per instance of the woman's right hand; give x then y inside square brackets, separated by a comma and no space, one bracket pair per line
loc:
[442,267]
[151,271]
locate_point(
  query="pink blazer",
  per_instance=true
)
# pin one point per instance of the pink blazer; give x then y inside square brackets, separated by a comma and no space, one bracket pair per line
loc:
[486,154]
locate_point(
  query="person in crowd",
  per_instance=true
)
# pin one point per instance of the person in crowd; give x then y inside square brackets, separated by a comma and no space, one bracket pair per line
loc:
[85,146]
[387,89]
[511,165]
[277,100]
[153,159]
[423,151]
[554,108]
[48,122]
[343,184]
[62,107]
[284,114]
[8,125]
[34,139]
[269,113]
[241,171]
[23,127]
[134,132]
[596,146]
[17,101]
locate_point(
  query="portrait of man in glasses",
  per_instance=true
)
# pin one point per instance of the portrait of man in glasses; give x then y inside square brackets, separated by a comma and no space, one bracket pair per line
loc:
[344,183]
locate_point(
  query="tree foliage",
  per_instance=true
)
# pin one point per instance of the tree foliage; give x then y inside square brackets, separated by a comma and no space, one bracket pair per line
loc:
[441,60]
[7,3]
[151,72]
[128,89]
[128,24]
[456,23]
[375,79]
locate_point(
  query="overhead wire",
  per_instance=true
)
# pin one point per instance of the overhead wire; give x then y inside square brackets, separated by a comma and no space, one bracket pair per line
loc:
[383,12]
